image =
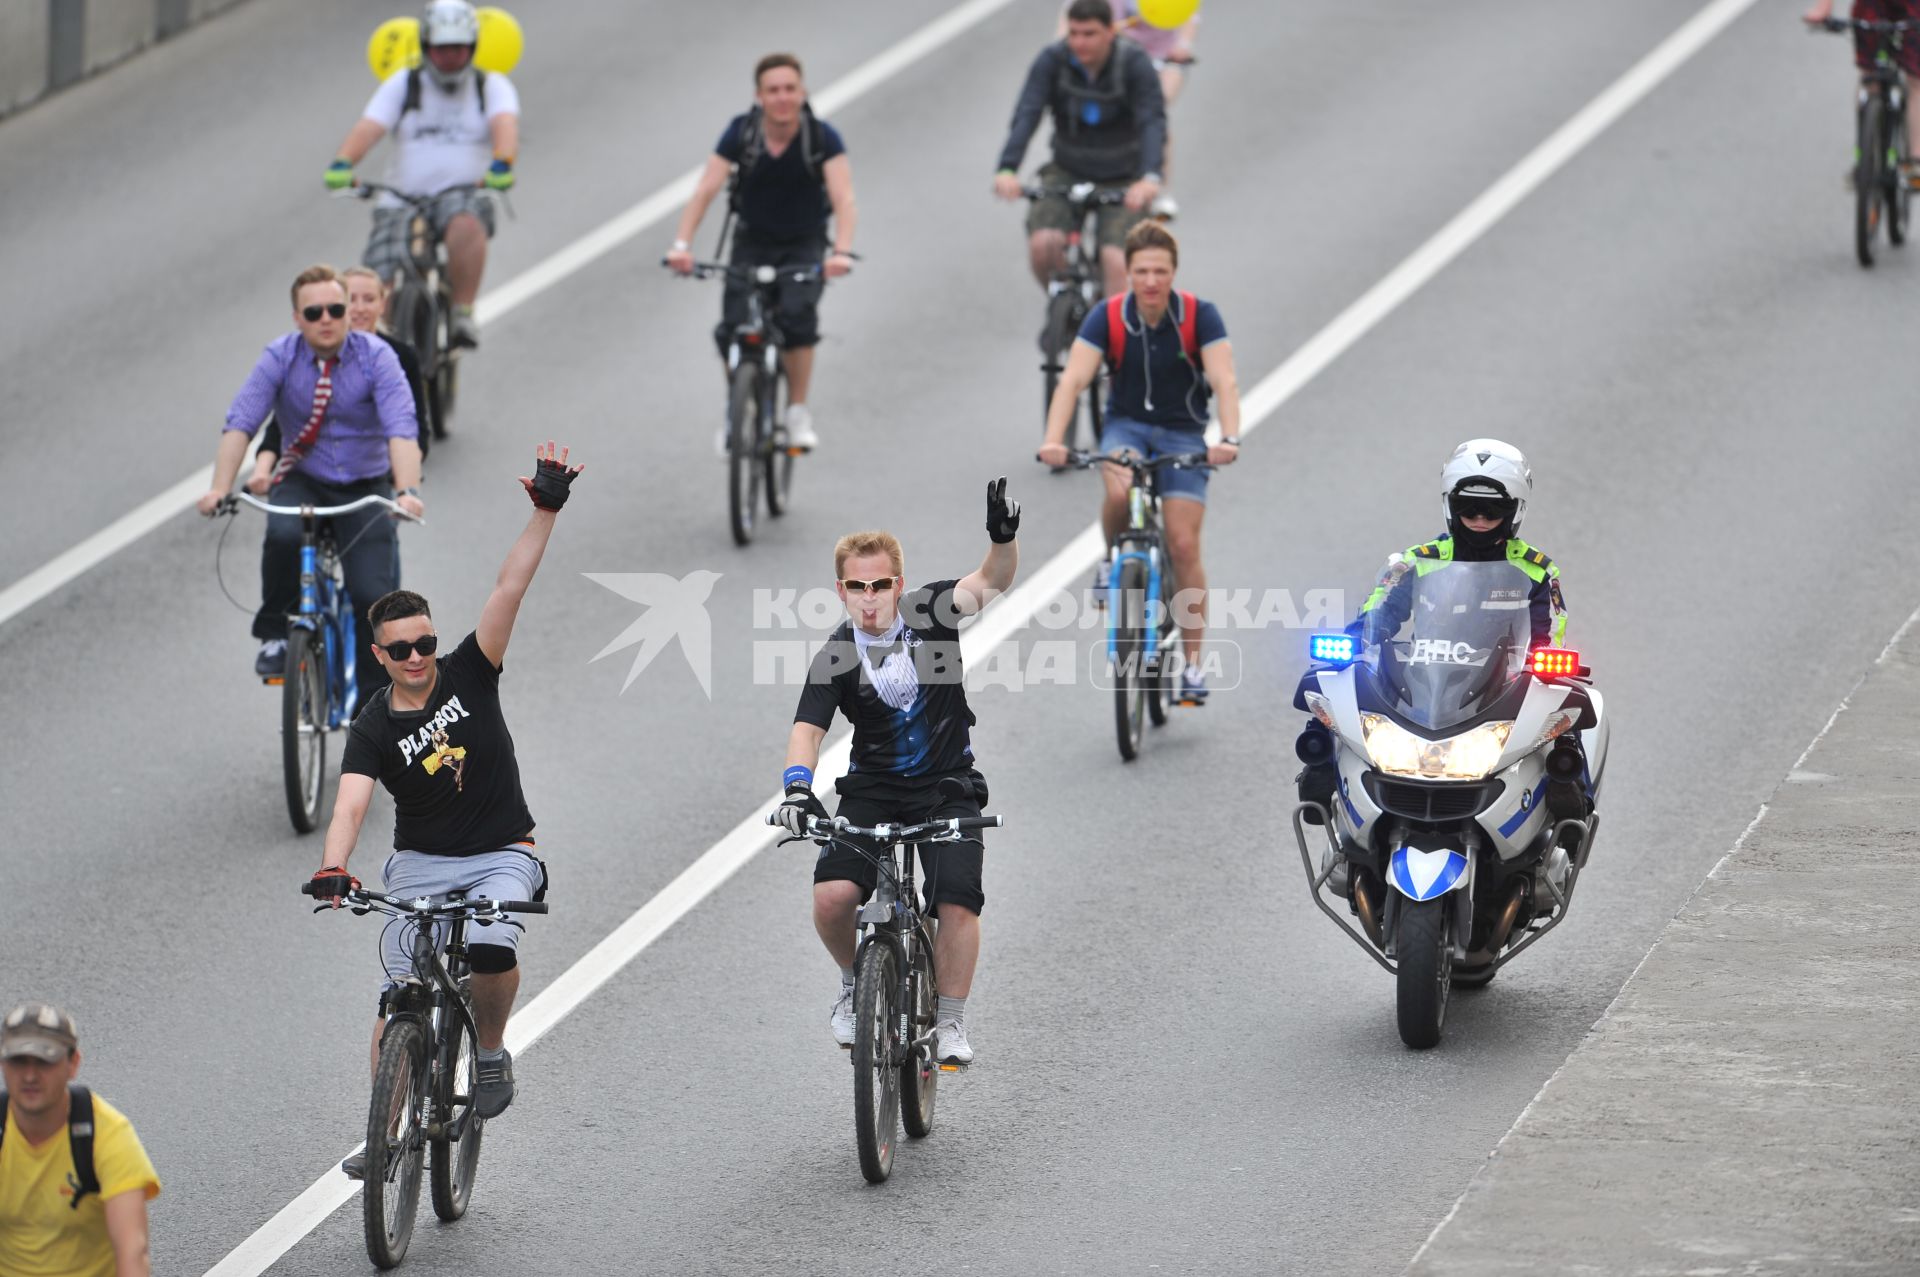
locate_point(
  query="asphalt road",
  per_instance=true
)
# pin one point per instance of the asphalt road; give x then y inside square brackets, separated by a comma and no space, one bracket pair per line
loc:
[1182,1065]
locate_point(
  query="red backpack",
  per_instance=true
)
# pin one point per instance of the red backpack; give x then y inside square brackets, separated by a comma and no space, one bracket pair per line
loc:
[1117,329]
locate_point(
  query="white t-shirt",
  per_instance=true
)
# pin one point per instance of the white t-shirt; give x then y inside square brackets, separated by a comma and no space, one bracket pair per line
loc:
[444,141]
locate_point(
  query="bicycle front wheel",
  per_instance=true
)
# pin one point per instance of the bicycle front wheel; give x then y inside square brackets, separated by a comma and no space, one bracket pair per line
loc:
[1868,175]
[779,476]
[1167,654]
[396,1142]
[303,728]
[920,1072]
[1063,322]
[876,1081]
[1898,196]
[1129,656]
[743,461]
[456,1150]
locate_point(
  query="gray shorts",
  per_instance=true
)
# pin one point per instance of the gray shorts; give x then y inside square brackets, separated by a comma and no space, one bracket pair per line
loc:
[387,248]
[508,874]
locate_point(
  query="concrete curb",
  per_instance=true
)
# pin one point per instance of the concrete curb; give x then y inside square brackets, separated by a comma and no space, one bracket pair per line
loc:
[46,45]
[1746,1104]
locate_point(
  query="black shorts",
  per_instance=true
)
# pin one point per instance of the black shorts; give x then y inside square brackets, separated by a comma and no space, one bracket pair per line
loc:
[949,871]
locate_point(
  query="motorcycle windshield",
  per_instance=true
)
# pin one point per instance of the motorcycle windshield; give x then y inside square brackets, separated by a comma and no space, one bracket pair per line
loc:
[1448,641]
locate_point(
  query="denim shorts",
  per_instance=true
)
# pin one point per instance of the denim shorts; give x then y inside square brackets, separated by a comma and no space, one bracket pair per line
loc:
[508,874]
[1158,441]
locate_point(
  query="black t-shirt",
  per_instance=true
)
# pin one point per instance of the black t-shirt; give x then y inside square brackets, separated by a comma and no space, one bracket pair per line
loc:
[778,196]
[921,735]
[450,767]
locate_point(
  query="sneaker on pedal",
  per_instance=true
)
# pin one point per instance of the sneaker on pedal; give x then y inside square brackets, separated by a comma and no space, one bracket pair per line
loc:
[1164,207]
[800,434]
[1193,688]
[950,1045]
[493,1085]
[272,660]
[840,1019]
[355,1167]
[466,329]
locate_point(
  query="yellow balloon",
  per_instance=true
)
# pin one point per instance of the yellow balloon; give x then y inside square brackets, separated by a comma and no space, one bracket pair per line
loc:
[394,47]
[500,42]
[1168,14]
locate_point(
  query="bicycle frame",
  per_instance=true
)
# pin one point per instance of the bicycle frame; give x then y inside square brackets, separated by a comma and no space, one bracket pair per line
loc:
[325,606]
[428,1003]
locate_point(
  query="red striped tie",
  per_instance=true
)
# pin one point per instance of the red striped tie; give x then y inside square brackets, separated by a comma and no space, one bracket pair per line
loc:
[322,396]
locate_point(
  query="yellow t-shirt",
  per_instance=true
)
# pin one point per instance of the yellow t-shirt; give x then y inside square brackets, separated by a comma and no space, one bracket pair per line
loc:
[41,1233]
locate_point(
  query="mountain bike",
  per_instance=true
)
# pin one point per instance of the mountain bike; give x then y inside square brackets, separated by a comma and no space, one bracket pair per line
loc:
[1071,295]
[1880,193]
[758,458]
[421,308]
[895,987]
[429,1058]
[1143,644]
[319,690]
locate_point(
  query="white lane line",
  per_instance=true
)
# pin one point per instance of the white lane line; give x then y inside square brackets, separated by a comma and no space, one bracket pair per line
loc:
[536,279]
[1011,613]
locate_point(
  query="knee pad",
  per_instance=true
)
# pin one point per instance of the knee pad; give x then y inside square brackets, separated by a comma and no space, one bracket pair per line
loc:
[491,959]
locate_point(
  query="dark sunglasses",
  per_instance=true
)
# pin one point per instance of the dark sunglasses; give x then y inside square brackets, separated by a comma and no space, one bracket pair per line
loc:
[335,310]
[1481,508]
[401,650]
[879,585]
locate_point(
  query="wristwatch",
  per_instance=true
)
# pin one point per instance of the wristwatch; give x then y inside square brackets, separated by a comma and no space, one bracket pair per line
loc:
[408,492]
[681,246]
[1232,440]
[1155,178]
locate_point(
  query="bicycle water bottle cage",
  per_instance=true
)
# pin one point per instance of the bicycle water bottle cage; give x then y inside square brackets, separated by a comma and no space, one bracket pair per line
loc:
[876,911]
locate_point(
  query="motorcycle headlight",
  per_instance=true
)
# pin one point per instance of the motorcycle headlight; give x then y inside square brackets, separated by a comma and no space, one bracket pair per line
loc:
[1468,756]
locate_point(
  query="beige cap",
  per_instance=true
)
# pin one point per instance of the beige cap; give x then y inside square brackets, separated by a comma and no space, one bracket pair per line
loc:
[38,1030]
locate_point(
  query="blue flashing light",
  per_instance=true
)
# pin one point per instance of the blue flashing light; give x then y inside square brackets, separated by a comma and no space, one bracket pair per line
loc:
[1332,649]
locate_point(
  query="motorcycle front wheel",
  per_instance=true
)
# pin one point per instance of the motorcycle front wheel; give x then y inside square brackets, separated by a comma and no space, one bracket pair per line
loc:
[1425,971]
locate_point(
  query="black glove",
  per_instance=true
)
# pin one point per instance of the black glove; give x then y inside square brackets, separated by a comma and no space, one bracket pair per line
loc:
[329,884]
[1003,515]
[800,804]
[551,483]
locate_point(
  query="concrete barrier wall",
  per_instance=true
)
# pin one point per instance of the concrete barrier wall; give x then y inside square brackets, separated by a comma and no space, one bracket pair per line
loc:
[46,45]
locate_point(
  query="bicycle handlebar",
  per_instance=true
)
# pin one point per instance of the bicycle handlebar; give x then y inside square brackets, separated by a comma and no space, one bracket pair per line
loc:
[231,504]
[1087,193]
[362,898]
[367,190]
[930,830]
[1838,25]
[1166,461]
[756,274]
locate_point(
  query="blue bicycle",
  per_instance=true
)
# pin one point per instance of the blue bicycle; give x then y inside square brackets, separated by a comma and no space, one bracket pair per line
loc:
[319,688]
[1143,644]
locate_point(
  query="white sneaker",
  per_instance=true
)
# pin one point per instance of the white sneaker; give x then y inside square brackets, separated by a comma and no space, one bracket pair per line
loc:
[950,1044]
[840,1019]
[1164,207]
[800,428]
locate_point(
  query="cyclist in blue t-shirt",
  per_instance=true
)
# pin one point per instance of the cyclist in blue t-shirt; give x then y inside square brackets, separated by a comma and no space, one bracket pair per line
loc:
[790,175]
[1171,365]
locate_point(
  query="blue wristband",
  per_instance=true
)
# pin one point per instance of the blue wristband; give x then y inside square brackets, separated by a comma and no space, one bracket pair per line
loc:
[797,775]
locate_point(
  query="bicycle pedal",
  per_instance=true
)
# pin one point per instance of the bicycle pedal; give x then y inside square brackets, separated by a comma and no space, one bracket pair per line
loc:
[946,1067]
[275,681]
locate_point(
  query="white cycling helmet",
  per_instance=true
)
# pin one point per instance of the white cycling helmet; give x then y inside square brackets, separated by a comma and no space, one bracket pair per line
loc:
[448,22]
[1487,468]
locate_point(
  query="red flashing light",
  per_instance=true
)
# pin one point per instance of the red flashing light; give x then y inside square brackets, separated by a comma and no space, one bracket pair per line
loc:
[1555,662]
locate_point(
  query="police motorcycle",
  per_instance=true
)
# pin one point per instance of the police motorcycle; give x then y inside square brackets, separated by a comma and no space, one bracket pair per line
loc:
[1445,835]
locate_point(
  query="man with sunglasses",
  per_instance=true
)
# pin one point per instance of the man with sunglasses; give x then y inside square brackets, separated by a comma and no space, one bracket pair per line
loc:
[347,408]
[437,740]
[893,668]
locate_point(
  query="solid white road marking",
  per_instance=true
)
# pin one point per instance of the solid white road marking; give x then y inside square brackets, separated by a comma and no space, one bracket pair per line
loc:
[1012,612]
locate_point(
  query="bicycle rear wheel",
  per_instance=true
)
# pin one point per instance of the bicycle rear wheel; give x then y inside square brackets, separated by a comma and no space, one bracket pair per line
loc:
[920,1073]
[1868,175]
[743,463]
[1129,657]
[303,728]
[779,477]
[1062,323]
[876,1082]
[1166,657]
[456,1153]
[444,385]
[396,1143]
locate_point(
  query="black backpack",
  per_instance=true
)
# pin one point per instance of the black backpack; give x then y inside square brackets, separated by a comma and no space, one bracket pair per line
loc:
[79,1140]
[412,102]
[753,145]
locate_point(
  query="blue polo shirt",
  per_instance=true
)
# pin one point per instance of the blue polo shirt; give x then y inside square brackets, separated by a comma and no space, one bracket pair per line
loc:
[1157,383]
[778,197]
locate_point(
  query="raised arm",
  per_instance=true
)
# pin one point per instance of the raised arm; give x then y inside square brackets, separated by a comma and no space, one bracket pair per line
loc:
[995,574]
[548,489]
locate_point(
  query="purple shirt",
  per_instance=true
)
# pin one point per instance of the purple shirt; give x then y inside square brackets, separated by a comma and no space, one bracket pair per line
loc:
[371,404]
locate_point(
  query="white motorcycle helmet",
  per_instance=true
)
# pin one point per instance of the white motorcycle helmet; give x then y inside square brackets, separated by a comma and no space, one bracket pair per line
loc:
[448,22]
[1490,470]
